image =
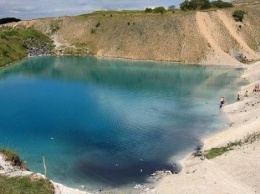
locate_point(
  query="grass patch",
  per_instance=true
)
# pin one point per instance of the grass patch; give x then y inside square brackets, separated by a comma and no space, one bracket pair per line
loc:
[111,13]
[214,152]
[25,185]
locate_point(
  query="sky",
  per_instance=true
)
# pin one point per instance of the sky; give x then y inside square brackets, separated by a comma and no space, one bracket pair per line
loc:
[29,9]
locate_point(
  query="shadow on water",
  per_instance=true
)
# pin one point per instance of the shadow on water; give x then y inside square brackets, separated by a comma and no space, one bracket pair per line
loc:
[112,163]
[114,175]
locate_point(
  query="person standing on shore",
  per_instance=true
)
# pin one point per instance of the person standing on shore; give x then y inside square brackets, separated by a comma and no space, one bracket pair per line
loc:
[222,101]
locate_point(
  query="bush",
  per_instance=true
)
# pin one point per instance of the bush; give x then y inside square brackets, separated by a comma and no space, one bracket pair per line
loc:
[98,24]
[160,10]
[238,15]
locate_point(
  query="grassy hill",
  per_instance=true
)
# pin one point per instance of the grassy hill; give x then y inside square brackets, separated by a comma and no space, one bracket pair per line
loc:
[210,36]
[12,46]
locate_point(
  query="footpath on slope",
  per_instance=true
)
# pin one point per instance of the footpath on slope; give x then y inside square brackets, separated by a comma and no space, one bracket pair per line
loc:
[249,53]
[216,54]
[210,25]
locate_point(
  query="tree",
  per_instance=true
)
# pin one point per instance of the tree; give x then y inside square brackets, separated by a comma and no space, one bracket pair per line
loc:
[159,9]
[8,20]
[200,4]
[148,10]
[195,5]
[185,5]
[221,4]
[171,8]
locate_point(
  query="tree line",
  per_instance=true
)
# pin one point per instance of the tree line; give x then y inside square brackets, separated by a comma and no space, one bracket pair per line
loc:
[203,4]
[192,5]
[8,20]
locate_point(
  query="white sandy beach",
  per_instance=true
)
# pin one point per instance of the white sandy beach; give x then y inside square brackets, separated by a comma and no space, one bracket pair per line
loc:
[236,171]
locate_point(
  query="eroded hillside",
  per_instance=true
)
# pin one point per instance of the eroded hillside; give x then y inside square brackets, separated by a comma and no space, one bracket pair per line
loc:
[191,37]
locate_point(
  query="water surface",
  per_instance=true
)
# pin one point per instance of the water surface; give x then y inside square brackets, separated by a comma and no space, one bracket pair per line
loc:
[109,123]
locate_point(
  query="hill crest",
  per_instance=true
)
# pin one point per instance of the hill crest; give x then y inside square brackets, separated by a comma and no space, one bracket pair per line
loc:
[208,37]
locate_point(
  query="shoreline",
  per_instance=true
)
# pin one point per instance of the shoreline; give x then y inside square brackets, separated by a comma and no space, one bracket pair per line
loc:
[206,64]
[6,169]
[232,171]
[233,111]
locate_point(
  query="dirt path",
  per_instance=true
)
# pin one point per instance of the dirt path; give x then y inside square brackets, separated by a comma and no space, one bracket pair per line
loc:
[249,53]
[56,42]
[217,56]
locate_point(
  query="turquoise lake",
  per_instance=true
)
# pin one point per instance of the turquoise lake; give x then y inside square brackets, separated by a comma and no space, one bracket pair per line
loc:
[109,123]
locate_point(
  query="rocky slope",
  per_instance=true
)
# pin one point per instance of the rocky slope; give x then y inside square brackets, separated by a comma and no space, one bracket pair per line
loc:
[190,37]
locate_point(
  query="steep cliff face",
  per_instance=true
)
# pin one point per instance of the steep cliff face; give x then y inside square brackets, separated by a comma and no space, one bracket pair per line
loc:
[192,37]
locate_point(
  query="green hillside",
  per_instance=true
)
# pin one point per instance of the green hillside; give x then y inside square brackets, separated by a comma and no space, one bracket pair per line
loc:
[12,46]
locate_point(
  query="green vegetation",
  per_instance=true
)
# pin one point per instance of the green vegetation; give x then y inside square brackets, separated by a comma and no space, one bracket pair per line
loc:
[108,13]
[148,10]
[214,152]
[13,157]
[25,185]
[238,15]
[22,184]
[11,43]
[159,9]
[184,6]
[203,4]
[195,5]
[221,4]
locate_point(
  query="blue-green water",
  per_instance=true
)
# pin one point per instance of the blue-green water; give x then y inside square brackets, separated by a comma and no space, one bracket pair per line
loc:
[108,123]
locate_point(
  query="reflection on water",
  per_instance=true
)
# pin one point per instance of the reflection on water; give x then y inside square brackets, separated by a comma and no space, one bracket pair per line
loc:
[108,123]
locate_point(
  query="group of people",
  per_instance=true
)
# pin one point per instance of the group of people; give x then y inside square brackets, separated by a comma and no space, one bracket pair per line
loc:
[256,89]
[222,99]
